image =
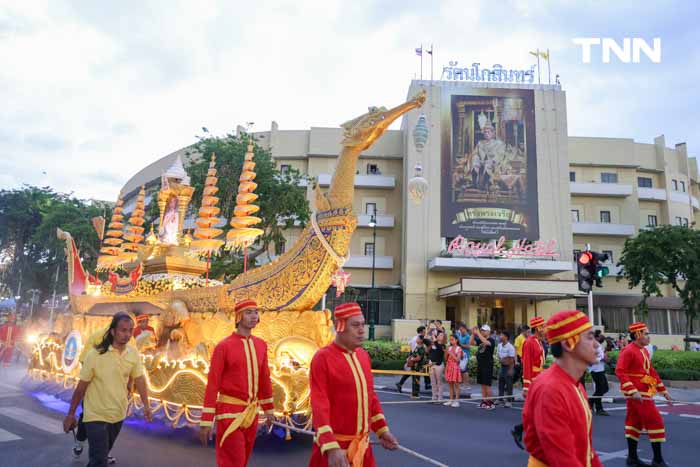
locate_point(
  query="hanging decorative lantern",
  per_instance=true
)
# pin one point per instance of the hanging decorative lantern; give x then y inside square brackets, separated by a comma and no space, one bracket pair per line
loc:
[417,186]
[340,280]
[420,133]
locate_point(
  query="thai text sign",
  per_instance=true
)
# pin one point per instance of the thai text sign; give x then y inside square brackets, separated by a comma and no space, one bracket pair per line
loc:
[495,74]
[460,246]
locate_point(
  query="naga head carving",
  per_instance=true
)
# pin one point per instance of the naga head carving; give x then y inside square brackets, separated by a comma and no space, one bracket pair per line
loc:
[363,131]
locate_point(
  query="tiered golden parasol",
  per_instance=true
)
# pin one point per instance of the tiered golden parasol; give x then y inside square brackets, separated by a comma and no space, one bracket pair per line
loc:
[111,251]
[206,233]
[134,231]
[243,235]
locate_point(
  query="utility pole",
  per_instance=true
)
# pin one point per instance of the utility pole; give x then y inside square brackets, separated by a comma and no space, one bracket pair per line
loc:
[590,295]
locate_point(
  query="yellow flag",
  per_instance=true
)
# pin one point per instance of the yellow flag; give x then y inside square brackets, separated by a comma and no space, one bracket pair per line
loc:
[545,55]
[533,53]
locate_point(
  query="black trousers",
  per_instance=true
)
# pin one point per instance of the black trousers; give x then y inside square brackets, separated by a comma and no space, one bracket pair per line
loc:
[601,388]
[405,377]
[101,437]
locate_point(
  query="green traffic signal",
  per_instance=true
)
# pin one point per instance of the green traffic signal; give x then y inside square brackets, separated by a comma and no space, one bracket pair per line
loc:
[602,271]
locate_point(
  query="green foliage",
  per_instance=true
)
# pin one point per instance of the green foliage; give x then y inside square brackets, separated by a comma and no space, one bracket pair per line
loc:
[665,255]
[282,201]
[385,351]
[388,364]
[29,217]
[670,364]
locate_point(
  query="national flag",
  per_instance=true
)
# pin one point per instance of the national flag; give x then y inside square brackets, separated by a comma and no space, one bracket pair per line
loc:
[544,55]
[419,51]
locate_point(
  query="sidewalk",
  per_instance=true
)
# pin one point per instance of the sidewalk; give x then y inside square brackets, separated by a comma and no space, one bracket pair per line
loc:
[614,395]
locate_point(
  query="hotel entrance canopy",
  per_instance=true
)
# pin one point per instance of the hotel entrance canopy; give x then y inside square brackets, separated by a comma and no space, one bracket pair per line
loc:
[516,288]
[534,266]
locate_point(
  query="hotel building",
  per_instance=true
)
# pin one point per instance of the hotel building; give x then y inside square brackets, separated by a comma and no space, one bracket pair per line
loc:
[499,162]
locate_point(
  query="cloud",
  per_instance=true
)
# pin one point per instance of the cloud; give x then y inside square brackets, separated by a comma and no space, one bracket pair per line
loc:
[92,91]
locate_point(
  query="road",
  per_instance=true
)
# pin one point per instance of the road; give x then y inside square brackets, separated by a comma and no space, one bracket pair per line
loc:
[31,435]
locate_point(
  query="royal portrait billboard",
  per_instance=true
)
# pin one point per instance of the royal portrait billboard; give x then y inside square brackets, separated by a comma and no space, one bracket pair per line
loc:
[489,165]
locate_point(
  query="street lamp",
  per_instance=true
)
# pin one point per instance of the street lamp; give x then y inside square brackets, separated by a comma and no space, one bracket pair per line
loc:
[372,310]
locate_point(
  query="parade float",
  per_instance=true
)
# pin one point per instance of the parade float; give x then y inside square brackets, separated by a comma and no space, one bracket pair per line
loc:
[164,275]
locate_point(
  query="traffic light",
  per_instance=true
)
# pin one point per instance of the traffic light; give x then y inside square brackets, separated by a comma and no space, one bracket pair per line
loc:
[600,270]
[585,266]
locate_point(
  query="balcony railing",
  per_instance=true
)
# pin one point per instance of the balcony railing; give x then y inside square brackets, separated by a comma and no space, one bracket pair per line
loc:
[602,228]
[651,194]
[382,221]
[364,181]
[365,262]
[600,189]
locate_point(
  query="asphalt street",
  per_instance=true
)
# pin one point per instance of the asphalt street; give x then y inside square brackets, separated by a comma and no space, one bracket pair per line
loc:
[31,435]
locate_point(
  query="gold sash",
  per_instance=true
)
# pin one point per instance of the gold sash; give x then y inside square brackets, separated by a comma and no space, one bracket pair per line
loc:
[242,419]
[534,462]
[358,447]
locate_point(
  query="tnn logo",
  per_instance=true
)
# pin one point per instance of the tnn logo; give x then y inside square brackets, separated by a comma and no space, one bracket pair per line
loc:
[629,52]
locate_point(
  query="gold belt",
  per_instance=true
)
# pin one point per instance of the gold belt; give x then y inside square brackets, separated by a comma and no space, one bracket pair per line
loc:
[534,462]
[358,447]
[242,419]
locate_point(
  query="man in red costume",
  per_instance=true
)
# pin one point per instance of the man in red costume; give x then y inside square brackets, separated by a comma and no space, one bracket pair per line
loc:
[343,402]
[639,382]
[10,334]
[533,365]
[557,417]
[237,387]
[142,325]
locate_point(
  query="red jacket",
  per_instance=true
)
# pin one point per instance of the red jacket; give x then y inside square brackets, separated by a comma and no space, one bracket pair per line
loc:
[636,373]
[343,401]
[533,361]
[558,421]
[239,370]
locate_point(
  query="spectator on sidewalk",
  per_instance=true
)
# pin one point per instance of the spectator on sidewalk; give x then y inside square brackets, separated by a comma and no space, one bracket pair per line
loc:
[464,339]
[420,333]
[103,383]
[597,371]
[436,356]
[506,355]
[417,360]
[453,375]
[523,333]
[484,363]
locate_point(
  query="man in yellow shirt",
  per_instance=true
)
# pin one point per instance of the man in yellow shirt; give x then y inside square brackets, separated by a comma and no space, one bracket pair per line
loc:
[518,344]
[103,384]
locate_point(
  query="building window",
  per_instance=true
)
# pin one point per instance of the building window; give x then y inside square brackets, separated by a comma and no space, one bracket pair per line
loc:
[572,176]
[682,186]
[674,183]
[608,177]
[644,182]
[657,321]
[284,168]
[280,247]
[605,217]
[577,253]
[575,215]
[615,319]
[651,221]
[679,220]
[370,208]
[610,255]
[388,302]
[373,169]
[369,249]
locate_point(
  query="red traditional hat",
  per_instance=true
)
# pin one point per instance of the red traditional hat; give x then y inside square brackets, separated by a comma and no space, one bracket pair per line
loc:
[141,317]
[343,312]
[536,322]
[637,327]
[567,325]
[242,306]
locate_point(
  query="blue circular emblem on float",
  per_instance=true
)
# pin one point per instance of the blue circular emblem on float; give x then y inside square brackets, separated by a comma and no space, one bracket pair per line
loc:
[71,351]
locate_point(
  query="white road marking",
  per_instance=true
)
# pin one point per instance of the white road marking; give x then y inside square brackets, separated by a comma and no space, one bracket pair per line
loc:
[42,422]
[10,394]
[687,415]
[9,386]
[622,454]
[7,436]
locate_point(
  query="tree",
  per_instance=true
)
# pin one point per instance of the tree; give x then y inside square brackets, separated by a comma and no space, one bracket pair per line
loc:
[665,255]
[282,199]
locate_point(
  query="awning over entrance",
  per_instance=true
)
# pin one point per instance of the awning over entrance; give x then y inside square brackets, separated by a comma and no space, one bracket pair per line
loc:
[533,266]
[519,288]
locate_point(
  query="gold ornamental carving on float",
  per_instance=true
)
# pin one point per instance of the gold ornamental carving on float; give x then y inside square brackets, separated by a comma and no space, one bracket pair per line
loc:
[191,314]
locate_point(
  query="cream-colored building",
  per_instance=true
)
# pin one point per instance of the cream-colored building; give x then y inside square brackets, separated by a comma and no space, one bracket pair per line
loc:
[531,181]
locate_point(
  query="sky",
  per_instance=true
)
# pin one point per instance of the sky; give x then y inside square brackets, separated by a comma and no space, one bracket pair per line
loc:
[91,92]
